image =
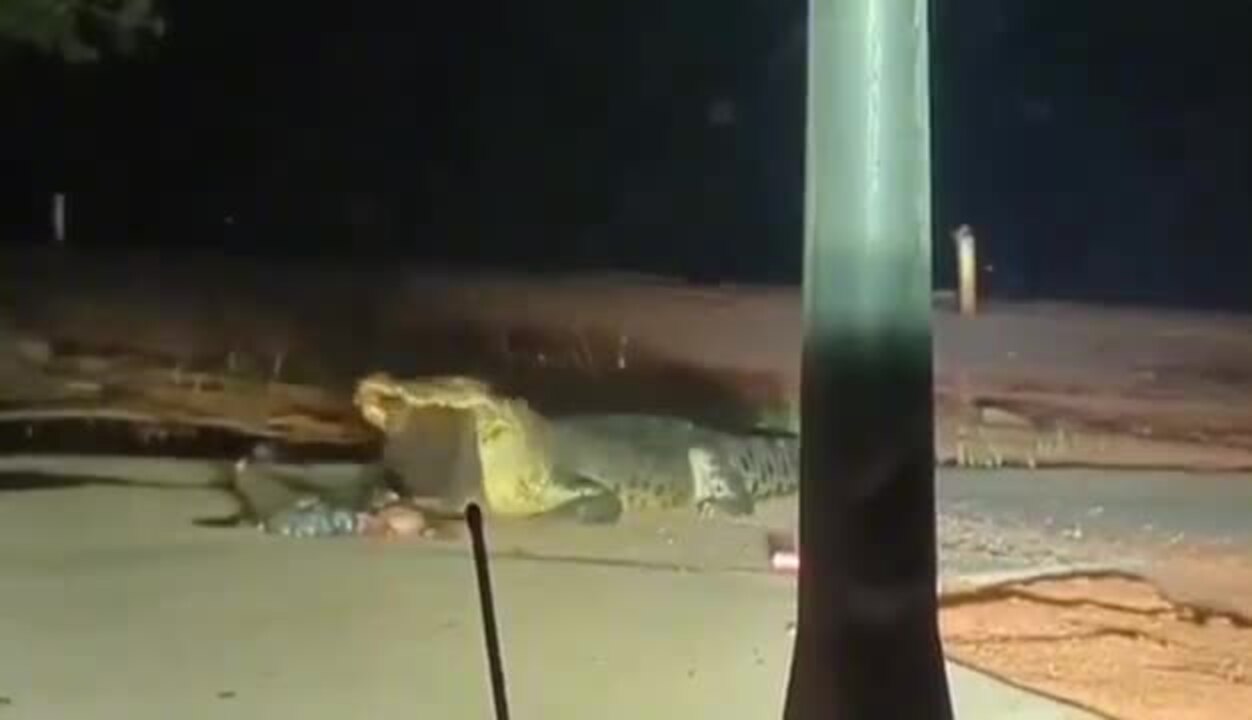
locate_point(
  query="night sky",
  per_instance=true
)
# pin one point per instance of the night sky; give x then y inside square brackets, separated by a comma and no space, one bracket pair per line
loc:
[1099,149]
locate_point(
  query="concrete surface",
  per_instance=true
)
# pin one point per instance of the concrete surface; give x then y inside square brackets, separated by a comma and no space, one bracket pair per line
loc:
[112,605]
[1154,506]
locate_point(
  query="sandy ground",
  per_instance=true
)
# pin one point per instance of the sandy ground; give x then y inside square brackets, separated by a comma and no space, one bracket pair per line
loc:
[1120,646]
[113,606]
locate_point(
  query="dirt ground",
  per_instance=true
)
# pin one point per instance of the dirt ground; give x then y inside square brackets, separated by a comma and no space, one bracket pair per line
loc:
[1174,645]
[1035,384]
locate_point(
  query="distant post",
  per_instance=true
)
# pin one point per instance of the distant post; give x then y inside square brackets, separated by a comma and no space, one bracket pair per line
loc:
[867,642]
[58,218]
[966,270]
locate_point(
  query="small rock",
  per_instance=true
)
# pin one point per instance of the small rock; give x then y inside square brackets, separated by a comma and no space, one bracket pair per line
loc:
[398,520]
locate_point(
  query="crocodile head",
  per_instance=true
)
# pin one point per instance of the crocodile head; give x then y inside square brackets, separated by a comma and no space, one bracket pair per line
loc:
[387,403]
[512,442]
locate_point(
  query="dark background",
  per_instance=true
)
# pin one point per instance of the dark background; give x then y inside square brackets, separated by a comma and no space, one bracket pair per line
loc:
[1099,149]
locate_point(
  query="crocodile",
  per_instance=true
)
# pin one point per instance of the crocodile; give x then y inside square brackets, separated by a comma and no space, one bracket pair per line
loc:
[593,468]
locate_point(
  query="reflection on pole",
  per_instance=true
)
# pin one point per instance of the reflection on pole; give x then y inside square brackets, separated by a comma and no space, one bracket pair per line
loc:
[867,642]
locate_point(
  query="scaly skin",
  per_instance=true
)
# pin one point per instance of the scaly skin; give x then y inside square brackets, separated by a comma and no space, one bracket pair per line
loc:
[614,463]
[595,467]
[592,467]
[669,463]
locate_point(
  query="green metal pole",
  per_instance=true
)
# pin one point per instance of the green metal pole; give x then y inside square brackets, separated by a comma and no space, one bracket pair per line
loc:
[867,642]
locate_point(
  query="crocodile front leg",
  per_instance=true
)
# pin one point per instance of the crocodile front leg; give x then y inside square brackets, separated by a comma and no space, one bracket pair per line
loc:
[591,504]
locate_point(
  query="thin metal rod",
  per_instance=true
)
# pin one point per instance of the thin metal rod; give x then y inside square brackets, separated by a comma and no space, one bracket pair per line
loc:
[486,599]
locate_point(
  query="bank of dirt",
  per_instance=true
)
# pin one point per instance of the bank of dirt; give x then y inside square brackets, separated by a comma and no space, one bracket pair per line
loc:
[275,349]
[1175,644]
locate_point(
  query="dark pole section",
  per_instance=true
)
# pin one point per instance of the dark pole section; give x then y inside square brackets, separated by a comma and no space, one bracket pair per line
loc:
[867,641]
